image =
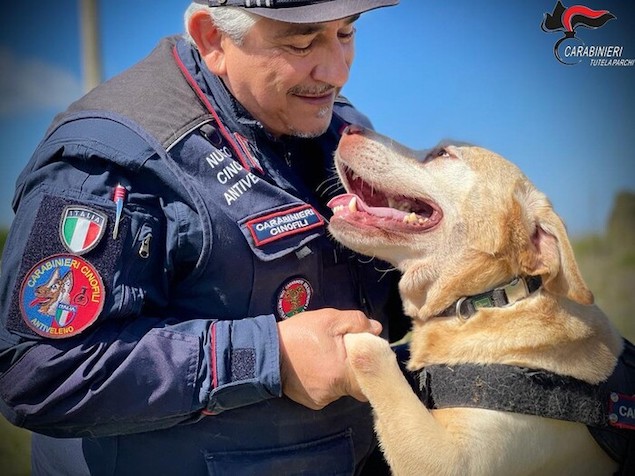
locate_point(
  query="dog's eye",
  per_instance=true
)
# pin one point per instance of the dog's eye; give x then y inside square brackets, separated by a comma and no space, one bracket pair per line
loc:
[437,153]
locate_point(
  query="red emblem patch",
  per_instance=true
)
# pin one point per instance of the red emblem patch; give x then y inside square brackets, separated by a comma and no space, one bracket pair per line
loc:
[61,296]
[294,297]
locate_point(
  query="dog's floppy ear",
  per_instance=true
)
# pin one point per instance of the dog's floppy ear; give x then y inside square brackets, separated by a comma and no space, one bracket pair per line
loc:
[549,253]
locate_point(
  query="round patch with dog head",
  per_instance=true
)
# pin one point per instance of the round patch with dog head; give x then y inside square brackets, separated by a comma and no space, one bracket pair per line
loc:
[61,296]
[294,297]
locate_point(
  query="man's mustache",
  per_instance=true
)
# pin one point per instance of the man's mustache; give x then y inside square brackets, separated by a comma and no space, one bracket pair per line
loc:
[312,90]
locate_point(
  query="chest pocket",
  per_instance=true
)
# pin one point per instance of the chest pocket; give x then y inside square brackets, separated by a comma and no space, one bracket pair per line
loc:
[295,266]
[332,455]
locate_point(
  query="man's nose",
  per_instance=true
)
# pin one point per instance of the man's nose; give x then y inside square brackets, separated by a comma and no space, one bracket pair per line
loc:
[334,64]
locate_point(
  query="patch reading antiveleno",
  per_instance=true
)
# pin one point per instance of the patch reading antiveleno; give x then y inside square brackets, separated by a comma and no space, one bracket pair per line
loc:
[61,296]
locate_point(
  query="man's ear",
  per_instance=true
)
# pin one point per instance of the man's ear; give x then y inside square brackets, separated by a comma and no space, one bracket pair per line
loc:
[549,253]
[208,40]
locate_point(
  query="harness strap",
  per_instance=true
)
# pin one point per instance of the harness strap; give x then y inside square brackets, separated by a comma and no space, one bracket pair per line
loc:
[618,439]
[513,389]
[541,393]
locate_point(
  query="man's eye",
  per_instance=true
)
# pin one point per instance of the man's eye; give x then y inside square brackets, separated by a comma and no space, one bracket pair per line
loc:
[300,49]
[347,35]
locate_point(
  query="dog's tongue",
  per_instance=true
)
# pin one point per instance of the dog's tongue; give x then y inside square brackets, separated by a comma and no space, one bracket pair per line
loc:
[37,301]
[351,203]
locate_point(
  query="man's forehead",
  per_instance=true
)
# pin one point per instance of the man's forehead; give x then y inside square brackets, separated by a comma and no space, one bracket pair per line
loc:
[300,29]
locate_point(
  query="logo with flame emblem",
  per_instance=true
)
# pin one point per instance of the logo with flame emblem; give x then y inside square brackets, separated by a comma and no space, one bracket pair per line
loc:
[570,49]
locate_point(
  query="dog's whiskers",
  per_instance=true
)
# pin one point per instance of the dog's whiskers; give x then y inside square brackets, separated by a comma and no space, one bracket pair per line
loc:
[325,183]
[383,272]
[331,189]
[326,187]
[369,259]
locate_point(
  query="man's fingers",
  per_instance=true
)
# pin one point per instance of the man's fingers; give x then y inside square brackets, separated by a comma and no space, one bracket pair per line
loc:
[375,327]
[314,369]
[355,322]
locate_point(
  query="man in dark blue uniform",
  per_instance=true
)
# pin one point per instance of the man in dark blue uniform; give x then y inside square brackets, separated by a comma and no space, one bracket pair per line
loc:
[171,302]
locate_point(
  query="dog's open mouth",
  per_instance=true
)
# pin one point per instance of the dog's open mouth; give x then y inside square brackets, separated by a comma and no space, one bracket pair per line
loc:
[369,205]
[40,300]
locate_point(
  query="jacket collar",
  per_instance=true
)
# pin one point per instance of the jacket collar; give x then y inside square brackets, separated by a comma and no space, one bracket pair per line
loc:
[233,114]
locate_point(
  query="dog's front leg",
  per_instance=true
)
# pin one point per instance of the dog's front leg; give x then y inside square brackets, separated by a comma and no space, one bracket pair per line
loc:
[413,442]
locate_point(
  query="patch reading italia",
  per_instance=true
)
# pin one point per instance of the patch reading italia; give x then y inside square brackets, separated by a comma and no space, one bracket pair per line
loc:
[81,228]
[275,226]
[61,296]
[294,297]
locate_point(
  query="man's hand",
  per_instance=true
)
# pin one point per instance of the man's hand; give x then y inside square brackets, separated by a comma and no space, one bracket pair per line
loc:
[314,368]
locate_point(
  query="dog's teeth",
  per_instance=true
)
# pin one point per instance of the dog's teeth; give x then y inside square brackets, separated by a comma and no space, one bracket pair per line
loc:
[352,205]
[411,218]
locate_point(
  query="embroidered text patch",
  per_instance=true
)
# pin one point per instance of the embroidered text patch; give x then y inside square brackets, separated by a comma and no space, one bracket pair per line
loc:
[275,226]
[622,411]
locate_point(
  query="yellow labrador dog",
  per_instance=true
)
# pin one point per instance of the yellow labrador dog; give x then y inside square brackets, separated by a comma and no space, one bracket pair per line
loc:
[488,278]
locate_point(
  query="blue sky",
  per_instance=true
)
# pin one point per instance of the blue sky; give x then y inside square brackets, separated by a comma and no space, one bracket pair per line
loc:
[476,71]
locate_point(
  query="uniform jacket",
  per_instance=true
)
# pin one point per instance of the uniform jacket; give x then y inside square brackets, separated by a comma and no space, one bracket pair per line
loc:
[160,234]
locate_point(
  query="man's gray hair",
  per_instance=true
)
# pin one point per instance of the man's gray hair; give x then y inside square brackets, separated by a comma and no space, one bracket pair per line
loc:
[234,22]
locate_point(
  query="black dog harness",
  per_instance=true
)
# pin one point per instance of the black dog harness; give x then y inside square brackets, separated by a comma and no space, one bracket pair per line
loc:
[608,409]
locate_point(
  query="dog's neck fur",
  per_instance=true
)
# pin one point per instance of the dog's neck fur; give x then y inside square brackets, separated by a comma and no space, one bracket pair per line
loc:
[582,344]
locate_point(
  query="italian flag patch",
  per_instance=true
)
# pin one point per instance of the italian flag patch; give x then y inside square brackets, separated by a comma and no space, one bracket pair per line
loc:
[81,228]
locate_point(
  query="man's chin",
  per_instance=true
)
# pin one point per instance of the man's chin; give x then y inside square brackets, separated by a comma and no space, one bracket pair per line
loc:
[310,131]
[308,134]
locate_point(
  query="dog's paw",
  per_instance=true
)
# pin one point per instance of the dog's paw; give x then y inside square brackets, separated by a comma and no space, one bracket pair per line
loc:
[367,353]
